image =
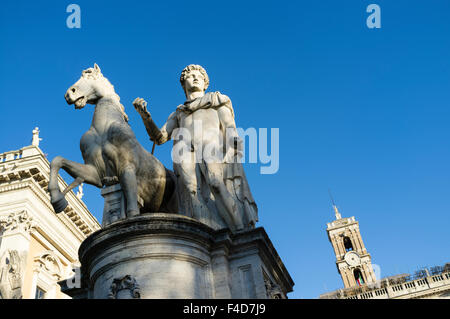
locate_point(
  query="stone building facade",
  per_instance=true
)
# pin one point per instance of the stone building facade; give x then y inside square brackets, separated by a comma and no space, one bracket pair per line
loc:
[354,265]
[38,248]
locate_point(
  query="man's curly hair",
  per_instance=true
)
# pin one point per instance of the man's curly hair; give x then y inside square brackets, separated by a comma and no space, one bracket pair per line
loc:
[190,68]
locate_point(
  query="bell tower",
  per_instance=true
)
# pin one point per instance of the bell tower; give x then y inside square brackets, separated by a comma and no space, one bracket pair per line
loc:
[352,259]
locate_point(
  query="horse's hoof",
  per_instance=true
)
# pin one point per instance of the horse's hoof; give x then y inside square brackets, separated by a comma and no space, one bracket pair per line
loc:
[59,205]
[108,180]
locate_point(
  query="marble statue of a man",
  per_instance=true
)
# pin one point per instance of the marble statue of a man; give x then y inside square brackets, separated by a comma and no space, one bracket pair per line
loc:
[212,184]
[36,139]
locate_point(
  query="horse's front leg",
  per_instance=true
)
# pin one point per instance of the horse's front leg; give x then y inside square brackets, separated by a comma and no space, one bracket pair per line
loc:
[81,172]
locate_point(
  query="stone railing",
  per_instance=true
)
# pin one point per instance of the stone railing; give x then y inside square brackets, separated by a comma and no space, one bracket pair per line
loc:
[19,154]
[10,156]
[384,290]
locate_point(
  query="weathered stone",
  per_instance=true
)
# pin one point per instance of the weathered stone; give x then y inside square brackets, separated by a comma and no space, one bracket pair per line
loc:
[212,186]
[115,204]
[112,153]
[174,256]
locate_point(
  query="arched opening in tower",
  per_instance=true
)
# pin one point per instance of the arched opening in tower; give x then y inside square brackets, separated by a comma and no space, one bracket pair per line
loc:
[358,277]
[348,244]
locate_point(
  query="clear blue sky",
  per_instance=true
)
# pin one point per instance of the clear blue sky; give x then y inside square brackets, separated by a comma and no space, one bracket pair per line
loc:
[363,112]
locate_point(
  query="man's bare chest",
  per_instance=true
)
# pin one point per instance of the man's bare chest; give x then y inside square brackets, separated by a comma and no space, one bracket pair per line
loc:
[207,117]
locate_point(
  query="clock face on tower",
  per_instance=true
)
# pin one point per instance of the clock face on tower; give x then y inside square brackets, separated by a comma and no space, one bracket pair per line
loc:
[352,258]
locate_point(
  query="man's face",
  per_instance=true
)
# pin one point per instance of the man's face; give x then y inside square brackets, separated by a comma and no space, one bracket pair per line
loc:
[194,82]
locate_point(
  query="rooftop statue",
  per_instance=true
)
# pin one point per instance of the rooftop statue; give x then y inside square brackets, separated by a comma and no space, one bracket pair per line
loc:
[112,153]
[212,184]
[36,139]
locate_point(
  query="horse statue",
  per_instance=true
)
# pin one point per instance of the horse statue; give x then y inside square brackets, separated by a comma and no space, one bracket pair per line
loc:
[112,154]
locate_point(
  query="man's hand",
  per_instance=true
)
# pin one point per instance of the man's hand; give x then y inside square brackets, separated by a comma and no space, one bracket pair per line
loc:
[161,139]
[152,130]
[141,106]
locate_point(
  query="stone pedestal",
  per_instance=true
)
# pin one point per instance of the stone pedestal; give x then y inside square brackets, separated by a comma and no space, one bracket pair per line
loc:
[174,256]
[115,206]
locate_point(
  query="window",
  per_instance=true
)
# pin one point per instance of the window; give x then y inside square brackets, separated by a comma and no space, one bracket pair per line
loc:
[348,244]
[40,294]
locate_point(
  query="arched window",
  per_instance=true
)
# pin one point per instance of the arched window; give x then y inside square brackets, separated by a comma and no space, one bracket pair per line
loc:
[348,244]
[358,277]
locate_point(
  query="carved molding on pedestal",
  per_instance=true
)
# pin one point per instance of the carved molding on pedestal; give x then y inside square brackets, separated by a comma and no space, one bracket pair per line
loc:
[126,283]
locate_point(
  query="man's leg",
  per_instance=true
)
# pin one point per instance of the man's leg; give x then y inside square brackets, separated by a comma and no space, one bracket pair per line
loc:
[214,177]
[186,170]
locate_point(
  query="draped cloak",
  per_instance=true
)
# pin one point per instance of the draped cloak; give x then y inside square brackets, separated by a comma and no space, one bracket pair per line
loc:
[233,171]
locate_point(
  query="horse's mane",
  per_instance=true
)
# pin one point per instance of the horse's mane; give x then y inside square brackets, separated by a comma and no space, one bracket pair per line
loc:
[121,107]
[95,73]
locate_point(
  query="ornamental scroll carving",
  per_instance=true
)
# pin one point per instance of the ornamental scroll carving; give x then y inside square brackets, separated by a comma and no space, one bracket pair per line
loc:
[21,221]
[124,288]
[49,263]
[273,290]
[11,275]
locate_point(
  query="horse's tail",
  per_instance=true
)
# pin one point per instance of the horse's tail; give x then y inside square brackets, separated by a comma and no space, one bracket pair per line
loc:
[170,198]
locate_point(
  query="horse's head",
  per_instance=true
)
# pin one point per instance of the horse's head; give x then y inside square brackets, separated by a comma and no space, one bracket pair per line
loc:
[91,87]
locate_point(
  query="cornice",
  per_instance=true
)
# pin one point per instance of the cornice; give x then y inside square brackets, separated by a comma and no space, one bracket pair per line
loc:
[341,223]
[32,172]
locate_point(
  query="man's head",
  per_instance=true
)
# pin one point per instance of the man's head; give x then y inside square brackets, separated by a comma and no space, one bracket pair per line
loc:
[194,78]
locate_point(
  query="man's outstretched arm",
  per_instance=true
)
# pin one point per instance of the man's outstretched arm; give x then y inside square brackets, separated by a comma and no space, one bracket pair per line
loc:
[167,129]
[160,136]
